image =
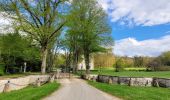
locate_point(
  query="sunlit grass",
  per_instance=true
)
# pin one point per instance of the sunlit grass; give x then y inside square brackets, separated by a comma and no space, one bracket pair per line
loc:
[30,93]
[133,93]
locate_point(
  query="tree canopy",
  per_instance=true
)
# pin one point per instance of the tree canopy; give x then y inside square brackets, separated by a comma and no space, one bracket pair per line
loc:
[41,19]
[88,28]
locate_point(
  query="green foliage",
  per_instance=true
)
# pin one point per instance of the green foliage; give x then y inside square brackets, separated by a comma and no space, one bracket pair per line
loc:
[17,49]
[2,66]
[119,65]
[39,19]
[60,60]
[165,58]
[138,61]
[160,63]
[88,30]
[133,93]
[30,93]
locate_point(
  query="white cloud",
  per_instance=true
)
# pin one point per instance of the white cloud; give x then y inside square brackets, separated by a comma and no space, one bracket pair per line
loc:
[5,23]
[138,12]
[132,47]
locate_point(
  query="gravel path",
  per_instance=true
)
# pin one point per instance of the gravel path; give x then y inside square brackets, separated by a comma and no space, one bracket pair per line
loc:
[77,89]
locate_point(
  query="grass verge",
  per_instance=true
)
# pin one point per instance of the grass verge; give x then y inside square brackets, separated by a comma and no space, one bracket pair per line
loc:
[161,74]
[133,93]
[30,93]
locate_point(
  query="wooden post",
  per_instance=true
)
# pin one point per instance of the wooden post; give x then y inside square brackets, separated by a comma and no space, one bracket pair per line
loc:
[7,87]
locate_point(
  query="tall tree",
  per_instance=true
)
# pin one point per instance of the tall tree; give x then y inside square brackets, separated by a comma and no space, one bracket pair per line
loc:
[90,22]
[41,19]
[73,43]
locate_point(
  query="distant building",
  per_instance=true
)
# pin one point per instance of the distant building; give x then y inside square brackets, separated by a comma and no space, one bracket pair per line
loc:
[82,64]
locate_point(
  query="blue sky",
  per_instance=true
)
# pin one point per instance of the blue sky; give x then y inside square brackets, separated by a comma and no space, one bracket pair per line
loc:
[139,32]
[139,27]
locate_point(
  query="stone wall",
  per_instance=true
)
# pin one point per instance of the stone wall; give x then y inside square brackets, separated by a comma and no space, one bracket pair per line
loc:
[141,81]
[161,82]
[21,82]
[133,81]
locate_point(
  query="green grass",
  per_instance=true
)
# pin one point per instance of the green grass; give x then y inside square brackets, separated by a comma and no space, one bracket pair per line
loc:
[133,93]
[129,73]
[161,74]
[126,69]
[30,93]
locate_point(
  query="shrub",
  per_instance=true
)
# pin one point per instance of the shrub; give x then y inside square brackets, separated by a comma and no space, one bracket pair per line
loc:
[2,69]
[118,65]
[154,65]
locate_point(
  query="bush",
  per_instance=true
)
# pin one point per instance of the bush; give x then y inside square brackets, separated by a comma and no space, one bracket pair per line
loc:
[2,66]
[162,68]
[154,65]
[136,69]
[118,65]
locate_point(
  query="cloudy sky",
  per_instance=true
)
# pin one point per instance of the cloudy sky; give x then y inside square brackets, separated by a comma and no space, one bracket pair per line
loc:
[140,27]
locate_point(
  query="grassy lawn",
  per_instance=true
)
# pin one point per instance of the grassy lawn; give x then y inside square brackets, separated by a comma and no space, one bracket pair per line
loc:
[162,74]
[30,93]
[133,93]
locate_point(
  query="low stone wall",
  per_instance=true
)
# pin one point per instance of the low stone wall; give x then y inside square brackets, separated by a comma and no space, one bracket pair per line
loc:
[141,81]
[131,81]
[90,77]
[161,82]
[21,82]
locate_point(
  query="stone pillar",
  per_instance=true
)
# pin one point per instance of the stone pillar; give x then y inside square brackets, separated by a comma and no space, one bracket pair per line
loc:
[7,87]
[38,82]
[52,78]
[130,82]
[155,82]
[110,80]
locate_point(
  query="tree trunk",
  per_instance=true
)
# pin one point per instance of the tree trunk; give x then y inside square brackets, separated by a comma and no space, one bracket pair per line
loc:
[44,60]
[75,60]
[25,66]
[21,69]
[87,61]
[75,63]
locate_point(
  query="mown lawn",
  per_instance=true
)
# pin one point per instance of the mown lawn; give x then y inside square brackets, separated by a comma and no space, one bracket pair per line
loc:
[162,74]
[30,93]
[133,93]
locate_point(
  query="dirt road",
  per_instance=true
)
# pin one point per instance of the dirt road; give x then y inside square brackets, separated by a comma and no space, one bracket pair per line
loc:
[77,89]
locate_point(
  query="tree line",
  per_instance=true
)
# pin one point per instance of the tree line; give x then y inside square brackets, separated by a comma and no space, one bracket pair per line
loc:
[160,63]
[79,28]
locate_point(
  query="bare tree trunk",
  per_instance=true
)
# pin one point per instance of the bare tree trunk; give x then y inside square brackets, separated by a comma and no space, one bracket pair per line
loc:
[75,62]
[75,58]
[25,66]
[21,69]
[87,61]
[44,60]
